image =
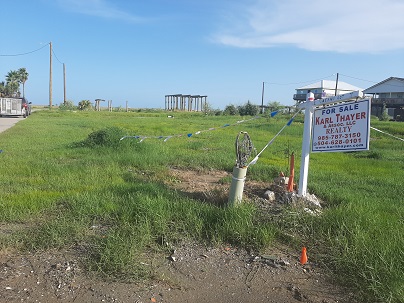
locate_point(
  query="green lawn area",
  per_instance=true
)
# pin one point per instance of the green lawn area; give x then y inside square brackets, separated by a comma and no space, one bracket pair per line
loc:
[64,171]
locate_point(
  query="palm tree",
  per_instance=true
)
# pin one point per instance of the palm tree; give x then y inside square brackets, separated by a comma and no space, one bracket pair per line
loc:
[13,82]
[2,89]
[23,77]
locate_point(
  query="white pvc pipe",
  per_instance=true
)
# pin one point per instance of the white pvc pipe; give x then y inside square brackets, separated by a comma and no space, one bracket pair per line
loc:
[237,185]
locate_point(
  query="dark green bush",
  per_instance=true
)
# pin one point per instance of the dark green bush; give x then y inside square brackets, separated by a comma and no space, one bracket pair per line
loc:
[248,109]
[109,137]
[230,110]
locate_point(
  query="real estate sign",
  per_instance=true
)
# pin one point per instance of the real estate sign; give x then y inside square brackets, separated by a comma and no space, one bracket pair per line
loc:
[342,127]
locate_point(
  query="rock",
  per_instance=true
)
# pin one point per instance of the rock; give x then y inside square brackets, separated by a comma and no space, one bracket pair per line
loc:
[283,262]
[272,258]
[298,295]
[309,203]
[282,181]
[288,198]
[56,266]
[296,292]
[312,201]
[269,195]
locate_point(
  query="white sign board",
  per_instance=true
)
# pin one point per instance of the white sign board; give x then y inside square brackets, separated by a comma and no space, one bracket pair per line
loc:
[342,127]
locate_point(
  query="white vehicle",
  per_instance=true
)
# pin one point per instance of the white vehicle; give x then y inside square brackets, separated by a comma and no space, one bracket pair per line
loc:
[15,107]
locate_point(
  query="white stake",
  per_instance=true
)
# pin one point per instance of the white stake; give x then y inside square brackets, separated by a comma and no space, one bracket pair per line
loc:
[304,166]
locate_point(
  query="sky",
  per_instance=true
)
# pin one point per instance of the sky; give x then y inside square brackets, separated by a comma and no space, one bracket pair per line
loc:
[139,51]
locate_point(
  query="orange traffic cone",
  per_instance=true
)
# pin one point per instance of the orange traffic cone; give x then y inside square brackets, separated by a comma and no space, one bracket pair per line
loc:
[303,256]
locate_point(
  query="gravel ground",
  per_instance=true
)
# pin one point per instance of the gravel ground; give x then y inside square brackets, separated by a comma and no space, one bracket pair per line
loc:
[192,273]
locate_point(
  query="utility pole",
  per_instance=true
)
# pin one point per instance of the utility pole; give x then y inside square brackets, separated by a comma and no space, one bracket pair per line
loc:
[336,85]
[64,84]
[262,98]
[50,74]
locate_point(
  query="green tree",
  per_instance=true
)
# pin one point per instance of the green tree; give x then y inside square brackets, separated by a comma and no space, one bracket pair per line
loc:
[230,110]
[207,108]
[12,83]
[274,106]
[85,105]
[23,77]
[384,115]
[2,89]
[248,109]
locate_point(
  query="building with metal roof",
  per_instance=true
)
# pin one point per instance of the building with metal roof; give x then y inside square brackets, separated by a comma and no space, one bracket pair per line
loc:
[324,89]
[389,94]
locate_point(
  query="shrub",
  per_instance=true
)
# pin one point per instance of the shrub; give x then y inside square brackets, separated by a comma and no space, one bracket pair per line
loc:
[109,137]
[384,115]
[274,106]
[67,105]
[230,110]
[85,105]
[248,109]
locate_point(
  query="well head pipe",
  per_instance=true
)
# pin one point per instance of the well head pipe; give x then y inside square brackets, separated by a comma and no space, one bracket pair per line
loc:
[237,185]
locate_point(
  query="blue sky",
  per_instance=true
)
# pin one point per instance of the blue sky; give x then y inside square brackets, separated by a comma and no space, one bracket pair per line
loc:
[140,51]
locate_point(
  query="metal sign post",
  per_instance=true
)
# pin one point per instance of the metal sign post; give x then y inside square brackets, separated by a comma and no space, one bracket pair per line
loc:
[309,107]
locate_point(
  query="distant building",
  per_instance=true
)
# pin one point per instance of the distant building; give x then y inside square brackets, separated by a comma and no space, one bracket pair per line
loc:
[324,89]
[389,93]
[186,102]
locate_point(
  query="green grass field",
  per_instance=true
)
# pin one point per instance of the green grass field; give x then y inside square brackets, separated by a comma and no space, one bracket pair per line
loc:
[65,173]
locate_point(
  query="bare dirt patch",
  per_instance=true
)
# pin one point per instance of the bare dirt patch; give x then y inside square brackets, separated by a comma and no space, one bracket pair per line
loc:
[211,186]
[191,273]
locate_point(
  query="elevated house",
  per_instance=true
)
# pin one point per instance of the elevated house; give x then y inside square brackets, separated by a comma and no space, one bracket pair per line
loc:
[389,94]
[324,89]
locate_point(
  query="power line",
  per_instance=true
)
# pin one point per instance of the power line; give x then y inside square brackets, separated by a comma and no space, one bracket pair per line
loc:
[292,83]
[358,78]
[56,56]
[22,54]
[372,81]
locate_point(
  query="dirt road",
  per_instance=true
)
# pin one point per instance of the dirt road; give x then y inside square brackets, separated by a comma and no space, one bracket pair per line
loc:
[192,274]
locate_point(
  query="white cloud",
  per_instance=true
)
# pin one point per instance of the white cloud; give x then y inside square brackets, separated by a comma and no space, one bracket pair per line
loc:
[318,25]
[99,8]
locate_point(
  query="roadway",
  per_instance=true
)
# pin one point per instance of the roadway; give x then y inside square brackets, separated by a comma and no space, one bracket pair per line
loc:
[7,122]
